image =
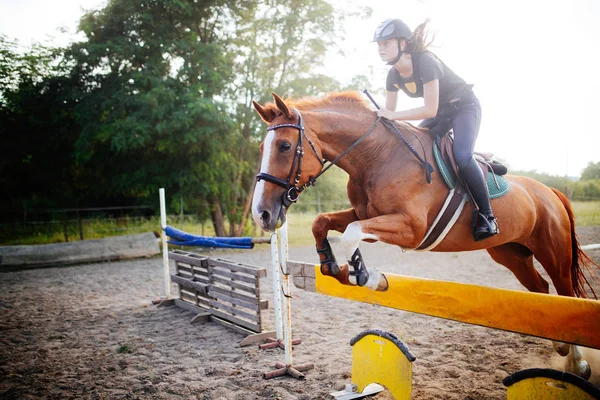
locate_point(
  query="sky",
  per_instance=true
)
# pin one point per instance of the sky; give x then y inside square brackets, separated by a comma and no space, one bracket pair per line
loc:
[534,65]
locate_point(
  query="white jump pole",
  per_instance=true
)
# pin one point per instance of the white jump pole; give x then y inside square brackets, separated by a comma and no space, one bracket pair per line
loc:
[276,286]
[165,248]
[287,304]
[590,247]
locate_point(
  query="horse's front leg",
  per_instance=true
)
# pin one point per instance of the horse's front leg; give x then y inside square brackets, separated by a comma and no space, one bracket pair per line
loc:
[392,229]
[337,221]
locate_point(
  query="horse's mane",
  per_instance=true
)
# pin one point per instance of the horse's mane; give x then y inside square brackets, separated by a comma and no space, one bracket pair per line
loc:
[354,101]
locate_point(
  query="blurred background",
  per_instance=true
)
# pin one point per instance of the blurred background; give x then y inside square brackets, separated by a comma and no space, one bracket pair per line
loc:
[104,102]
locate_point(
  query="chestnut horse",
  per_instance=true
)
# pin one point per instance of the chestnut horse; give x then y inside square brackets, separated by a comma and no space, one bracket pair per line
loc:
[393,203]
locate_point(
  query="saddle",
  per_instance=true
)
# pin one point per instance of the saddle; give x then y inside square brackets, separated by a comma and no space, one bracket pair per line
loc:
[458,190]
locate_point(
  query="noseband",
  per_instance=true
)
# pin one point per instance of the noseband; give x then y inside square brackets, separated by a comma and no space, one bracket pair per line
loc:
[293,191]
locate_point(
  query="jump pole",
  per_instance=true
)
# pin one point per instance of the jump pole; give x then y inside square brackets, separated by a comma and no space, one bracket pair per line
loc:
[165,247]
[282,294]
[590,247]
[566,319]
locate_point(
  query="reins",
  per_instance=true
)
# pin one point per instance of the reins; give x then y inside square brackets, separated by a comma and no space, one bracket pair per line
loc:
[390,125]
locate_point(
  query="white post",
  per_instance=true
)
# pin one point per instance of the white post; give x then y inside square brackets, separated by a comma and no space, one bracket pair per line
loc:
[287,304]
[276,286]
[165,248]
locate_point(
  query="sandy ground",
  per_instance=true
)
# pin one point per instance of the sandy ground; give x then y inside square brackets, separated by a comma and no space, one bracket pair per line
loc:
[90,332]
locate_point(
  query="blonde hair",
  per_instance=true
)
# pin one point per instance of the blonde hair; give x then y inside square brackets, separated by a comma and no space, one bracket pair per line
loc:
[420,39]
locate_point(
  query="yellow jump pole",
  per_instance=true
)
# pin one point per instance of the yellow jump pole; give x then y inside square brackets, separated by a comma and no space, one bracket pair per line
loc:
[566,319]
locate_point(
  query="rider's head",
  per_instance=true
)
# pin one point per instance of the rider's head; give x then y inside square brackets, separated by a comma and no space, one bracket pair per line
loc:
[395,38]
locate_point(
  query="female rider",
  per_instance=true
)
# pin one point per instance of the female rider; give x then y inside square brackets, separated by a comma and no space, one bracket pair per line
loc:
[447,97]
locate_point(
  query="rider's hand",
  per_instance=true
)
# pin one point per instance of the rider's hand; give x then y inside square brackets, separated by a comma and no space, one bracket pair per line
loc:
[383,113]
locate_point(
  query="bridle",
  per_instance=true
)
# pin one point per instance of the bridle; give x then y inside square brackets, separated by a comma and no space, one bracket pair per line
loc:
[293,191]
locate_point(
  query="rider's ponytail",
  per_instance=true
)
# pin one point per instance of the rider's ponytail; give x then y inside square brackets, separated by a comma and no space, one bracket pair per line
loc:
[420,40]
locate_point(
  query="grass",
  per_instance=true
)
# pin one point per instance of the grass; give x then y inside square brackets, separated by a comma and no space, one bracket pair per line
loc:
[587,213]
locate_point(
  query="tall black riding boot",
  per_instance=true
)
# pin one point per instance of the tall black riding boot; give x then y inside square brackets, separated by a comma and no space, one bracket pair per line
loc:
[484,222]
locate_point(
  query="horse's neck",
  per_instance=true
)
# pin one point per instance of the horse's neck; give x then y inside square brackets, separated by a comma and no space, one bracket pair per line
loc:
[379,151]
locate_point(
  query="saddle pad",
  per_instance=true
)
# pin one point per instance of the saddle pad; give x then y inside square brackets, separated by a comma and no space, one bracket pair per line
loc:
[494,190]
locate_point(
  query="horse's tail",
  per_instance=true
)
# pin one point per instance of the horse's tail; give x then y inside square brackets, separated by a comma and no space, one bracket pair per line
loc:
[579,258]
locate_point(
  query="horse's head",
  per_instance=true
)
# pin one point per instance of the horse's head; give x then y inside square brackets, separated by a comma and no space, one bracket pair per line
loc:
[285,170]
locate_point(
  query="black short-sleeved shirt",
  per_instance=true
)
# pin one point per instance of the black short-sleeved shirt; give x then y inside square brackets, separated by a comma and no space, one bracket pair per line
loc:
[426,68]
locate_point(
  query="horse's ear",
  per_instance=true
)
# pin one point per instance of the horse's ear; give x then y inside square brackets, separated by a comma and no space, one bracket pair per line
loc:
[267,115]
[282,106]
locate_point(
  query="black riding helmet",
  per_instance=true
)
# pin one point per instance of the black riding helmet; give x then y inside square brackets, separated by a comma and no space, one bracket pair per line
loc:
[390,29]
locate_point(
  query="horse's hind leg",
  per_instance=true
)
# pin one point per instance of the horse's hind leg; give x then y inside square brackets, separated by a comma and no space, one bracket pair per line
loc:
[557,264]
[519,260]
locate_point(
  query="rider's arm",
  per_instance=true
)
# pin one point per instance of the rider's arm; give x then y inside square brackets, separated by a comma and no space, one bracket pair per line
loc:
[431,96]
[391,100]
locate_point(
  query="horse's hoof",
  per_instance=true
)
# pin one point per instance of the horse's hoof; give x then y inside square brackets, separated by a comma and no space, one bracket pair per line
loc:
[587,372]
[382,285]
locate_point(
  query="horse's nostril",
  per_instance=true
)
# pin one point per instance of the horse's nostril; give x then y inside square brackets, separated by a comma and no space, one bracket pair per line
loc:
[266,217]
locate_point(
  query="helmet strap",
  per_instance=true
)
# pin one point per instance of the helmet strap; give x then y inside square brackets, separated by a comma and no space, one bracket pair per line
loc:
[400,52]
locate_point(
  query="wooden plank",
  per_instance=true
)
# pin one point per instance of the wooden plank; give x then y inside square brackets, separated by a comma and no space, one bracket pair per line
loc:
[237,321]
[238,267]
[264,304]
[258,337]
[192,270]
[198,299]
[234,311]
[238,276]
[188,283]
[565,319]
[188,258]
[252,300]
[236,285]
[241,303]
[203,317]
[234,327]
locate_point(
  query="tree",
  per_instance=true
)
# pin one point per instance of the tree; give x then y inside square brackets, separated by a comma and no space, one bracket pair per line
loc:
[151,118]
[38,127]
[159,95]
[279,46]
[592,171]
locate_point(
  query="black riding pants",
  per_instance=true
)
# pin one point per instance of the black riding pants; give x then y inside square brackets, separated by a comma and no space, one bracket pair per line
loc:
[464,117]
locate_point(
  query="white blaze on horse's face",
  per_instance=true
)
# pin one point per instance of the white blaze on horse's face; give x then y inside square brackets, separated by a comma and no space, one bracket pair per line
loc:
[263,211]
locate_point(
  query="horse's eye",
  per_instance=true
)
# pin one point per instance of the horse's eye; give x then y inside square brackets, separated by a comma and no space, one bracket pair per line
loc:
[284,147]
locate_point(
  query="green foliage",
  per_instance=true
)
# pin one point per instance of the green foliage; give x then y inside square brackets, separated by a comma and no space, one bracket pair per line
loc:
[576,190]
[124,349]
[329,194]
[158,95]
[152,70]
[558,182]
[586,190]
[592,171]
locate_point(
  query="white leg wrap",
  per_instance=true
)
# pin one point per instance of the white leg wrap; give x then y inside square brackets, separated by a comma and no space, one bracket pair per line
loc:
[373,281]
[352,279]
[352,237]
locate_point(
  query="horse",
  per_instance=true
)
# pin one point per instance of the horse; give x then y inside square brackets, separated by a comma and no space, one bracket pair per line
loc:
[393,202]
